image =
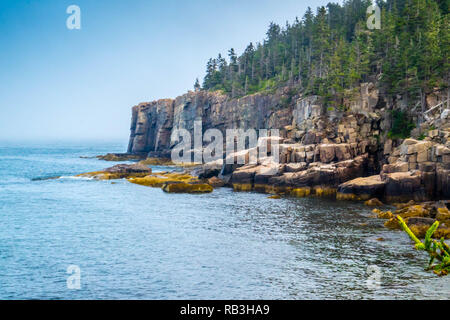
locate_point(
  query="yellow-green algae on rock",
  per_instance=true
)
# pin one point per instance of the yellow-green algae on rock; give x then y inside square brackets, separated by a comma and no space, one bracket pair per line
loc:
[301,192]
[157,162]
[117,157]
[320,191]
[419,218]
[373,203]
[159,179]
[183,187]
[242,187]
[172,182]
[352,197]
[121,171]
[383,214]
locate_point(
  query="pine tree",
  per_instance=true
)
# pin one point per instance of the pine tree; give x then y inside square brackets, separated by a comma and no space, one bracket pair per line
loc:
[197,85]
[332,52]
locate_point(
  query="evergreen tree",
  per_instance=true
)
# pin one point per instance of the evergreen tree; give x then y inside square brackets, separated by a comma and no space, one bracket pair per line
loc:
[332,52]
[197,85]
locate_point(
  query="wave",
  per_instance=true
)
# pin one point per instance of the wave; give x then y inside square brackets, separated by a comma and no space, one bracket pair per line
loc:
[61,178]
[75,178]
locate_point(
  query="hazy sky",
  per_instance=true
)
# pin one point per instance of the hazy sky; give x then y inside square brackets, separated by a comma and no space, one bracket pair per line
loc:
[57,83]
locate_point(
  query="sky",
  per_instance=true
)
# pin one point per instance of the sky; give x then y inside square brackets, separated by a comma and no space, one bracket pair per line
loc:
[57,83]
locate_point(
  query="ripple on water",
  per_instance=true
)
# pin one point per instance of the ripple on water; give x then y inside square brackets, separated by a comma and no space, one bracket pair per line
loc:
[133,242]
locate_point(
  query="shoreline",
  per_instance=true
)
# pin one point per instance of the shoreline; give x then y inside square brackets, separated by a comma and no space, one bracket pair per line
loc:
[418,215]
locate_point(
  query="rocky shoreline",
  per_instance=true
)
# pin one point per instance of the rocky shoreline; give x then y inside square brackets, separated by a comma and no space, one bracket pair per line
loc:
[348,154]
[419,217]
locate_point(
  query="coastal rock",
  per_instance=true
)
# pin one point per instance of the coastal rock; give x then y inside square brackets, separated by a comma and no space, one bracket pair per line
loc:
[159,179]
[420,217]
[151,127]
[373,203]
[117,157]
[154,122]
[383,214]
[209,170]
[317,147]
[216,182]
[183,187]
[327,153]
[419,225]
[362,188]
[244,175]
[319,179]
[295,167]
[120,171]
[157,162]
[404,186]
[129,169]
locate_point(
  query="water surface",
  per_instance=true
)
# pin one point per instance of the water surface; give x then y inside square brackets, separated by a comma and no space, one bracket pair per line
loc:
[134,242]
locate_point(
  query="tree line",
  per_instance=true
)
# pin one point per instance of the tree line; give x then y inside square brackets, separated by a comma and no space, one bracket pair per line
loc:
[331,51]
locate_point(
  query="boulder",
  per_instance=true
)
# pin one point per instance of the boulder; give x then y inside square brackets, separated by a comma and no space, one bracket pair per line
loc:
[443,214]
[373,203]
[361,188]
[266,171]
[420,225]
[209,170]
[244,174]
[404,186]
[216,182]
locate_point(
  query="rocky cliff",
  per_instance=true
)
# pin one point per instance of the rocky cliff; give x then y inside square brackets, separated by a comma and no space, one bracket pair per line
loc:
[152,123]
[321,149]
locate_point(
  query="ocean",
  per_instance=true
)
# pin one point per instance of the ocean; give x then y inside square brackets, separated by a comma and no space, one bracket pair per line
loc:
[127,241]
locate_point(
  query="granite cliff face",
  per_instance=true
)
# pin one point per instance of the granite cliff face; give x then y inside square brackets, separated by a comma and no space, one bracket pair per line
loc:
[152,123]
[321,149]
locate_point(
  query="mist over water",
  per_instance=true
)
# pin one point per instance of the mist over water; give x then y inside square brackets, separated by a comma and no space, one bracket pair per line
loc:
[133,242]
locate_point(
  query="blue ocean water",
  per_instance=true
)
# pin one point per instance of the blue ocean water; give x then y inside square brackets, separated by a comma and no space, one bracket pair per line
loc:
[134,242]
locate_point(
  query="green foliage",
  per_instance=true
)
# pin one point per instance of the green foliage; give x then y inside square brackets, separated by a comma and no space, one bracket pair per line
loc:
[331,51]
[401,126]
[422,137]
[437,250]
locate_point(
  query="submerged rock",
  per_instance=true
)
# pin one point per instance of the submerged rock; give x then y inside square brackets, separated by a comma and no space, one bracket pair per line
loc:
[420,217]
[443,214]
[383,214]
[373,203]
